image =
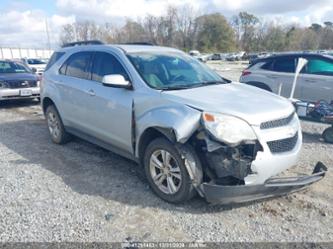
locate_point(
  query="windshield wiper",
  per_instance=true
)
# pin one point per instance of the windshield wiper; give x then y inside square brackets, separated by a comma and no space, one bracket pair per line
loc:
[180,87]
[204,83]
[214,82]
[209,83]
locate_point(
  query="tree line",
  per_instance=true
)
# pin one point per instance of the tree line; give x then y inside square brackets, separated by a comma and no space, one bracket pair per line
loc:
[185,29]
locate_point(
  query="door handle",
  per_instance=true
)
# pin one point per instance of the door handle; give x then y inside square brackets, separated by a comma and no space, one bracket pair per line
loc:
[273,76]
[309,80]
[91,92]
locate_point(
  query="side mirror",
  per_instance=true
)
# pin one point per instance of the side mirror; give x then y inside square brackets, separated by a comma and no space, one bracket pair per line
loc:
[34,70]
[116,80]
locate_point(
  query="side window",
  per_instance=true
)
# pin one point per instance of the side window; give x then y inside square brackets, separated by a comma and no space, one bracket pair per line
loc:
[77,65]
[54,58]
[284,65]
[267,65]
[104,64]
[319,67]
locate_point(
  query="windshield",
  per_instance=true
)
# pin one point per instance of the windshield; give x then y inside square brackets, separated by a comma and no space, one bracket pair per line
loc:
[35,61]
[168,71]
[12,67]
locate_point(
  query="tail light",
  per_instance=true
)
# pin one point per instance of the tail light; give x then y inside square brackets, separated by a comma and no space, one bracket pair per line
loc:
[244,73]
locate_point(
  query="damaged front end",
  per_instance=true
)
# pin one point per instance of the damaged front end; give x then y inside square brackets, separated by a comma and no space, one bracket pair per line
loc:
[273,187]
[226,166]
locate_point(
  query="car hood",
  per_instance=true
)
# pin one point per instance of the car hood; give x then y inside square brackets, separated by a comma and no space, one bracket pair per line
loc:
[17,76]
[252,104]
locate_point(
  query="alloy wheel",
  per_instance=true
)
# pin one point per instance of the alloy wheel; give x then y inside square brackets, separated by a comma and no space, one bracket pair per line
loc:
[165,171]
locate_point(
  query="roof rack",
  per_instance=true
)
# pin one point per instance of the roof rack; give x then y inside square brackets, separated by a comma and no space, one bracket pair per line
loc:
[139,43]
[80,43]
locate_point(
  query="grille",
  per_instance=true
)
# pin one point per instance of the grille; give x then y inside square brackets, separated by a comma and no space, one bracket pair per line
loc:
[283,145]
[277,122]
[21,84]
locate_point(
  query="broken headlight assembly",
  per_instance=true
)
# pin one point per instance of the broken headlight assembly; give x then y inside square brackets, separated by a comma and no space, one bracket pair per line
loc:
[228,129]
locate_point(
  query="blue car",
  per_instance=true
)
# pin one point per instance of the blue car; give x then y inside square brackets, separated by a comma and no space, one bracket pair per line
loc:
[17,81]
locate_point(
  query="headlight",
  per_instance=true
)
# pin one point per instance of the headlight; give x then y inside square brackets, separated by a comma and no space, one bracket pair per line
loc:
[3,85]
[228,129]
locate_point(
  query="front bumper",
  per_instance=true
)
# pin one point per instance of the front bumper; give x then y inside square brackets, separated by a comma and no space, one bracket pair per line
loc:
[6,94]
[271,188]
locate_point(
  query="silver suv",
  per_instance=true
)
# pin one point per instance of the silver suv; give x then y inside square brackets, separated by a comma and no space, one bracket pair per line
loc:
[191,130]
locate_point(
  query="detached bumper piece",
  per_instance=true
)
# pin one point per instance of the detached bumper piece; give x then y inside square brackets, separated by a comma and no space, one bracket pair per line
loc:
[273,187]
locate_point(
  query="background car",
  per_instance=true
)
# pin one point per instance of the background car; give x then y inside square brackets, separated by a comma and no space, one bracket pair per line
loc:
[276,74]
[196,54]
[219,56]
[36,65]
[17,81]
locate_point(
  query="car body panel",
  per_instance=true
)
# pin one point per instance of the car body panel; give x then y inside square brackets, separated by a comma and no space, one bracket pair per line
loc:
[315,87]
[232,99]
[154,111]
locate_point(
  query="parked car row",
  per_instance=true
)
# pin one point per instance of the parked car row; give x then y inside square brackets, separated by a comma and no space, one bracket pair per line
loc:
[36,65]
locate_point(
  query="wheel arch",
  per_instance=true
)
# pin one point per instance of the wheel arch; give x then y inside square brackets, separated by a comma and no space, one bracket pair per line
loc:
[46,103]
[150,134]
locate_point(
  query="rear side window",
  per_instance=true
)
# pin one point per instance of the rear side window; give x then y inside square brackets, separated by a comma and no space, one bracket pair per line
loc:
[104,64]
[54,58]
[319,67]
[77,65]
[284,65]
[267,65]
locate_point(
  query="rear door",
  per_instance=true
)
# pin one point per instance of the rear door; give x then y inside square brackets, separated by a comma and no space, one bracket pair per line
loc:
[283,71]
[316,80]
[109,108]
[74,77]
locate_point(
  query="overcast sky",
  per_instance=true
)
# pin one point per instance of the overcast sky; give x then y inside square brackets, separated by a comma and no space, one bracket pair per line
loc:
[22,23]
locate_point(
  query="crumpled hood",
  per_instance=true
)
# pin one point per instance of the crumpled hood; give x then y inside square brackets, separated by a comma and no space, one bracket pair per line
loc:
[252,104]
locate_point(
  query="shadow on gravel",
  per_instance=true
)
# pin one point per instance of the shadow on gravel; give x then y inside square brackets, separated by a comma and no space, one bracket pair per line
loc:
[312,137]
[9,104]
[88,169]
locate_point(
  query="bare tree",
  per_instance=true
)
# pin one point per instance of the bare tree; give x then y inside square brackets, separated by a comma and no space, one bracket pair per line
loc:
[185,29]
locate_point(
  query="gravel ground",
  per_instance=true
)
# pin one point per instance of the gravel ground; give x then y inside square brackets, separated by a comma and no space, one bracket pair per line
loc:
[80,192]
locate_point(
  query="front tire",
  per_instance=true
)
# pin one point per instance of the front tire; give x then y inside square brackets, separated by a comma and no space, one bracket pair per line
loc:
[166,172]
[328,135]
[56,127]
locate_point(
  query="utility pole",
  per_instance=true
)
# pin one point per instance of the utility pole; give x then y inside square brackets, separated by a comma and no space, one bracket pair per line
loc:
[47,34]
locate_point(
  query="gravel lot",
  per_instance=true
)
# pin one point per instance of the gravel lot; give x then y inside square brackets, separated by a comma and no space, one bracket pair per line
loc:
[80,192]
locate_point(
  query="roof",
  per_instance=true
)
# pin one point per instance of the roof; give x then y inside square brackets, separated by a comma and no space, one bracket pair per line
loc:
[297,54]
[127,48]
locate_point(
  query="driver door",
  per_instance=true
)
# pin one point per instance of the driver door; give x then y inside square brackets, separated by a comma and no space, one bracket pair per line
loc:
[110,108]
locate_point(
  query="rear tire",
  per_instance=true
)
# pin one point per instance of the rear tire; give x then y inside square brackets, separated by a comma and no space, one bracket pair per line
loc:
[166,171]
[328,135]
[56,127]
